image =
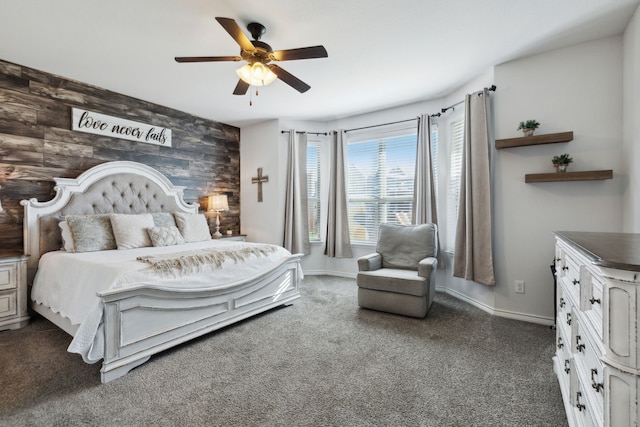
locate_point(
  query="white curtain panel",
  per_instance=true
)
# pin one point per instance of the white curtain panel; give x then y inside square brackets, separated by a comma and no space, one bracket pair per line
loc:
[424,190]
[338,243]
[473,257]
[296,218]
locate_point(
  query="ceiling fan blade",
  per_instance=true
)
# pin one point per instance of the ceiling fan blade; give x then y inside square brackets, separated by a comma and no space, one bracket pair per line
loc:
[207,58]
[289,79]
[236,32]
[300,53]
[241,87]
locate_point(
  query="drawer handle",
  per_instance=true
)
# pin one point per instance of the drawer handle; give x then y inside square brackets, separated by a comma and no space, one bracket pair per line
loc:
[593,300]
[579,405]
[565,268]
[560,344]
[596,385]
[566,366]
[562,302]
[579,346]
[568,318]
[575,281]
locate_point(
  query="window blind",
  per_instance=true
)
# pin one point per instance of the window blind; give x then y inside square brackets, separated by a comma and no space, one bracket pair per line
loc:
[380,184]
[313,189]
[455,167]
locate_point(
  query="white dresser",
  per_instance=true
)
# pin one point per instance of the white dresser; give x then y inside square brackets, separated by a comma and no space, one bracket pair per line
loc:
[597,358]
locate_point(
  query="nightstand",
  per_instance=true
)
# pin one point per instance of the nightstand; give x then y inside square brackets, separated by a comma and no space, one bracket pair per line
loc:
[239,237]
[13,290]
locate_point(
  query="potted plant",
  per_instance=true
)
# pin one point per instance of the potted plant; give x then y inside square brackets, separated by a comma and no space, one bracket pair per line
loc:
[561,162]
[528,127]
[229,230]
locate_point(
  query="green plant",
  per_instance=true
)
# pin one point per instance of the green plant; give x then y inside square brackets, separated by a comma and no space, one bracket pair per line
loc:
[529,124]
[562,159]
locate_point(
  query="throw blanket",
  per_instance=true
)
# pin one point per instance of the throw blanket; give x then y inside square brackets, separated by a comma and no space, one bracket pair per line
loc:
[187,262]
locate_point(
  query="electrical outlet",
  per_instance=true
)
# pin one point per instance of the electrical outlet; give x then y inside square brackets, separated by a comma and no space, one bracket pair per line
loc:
[519,286]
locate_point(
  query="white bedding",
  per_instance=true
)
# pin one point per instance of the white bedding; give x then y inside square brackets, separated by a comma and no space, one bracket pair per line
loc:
[68,283]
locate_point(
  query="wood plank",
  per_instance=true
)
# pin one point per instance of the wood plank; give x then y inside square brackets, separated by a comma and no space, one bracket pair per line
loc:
[14,83]
[52,148]
[17,142]
[8,155]
[70,162]
[15,127]
[550,138]
[18,113]
[10,69]
[15,172]
[569,176]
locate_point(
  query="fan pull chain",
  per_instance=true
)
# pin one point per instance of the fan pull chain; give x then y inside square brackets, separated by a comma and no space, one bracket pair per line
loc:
[251,96]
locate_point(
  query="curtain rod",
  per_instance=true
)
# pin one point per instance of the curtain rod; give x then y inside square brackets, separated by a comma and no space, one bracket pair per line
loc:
[310,133]
[383,124]
[492,88]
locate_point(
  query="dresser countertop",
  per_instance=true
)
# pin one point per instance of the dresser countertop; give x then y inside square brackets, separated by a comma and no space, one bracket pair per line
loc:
[611,250]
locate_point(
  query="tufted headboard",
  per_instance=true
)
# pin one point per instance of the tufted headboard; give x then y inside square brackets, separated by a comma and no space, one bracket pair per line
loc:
[114,187]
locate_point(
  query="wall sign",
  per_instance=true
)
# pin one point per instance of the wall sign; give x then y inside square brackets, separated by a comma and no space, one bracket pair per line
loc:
[101,124]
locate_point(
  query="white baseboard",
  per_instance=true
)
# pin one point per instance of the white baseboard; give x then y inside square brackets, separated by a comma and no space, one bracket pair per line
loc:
[531,318]
[482,306]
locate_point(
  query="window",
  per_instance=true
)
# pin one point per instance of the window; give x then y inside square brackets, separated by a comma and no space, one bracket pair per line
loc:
[313,189]
[380,183]
[455,167]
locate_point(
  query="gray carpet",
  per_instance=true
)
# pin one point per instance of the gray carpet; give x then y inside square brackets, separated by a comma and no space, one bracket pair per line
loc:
[320,362]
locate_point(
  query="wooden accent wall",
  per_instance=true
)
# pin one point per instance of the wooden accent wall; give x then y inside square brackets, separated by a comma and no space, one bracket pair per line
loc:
[37,144]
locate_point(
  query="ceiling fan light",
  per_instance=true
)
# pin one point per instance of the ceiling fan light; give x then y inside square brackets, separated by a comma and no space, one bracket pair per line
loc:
[256,74]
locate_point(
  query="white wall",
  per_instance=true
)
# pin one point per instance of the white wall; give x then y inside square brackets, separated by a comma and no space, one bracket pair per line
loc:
[575,89]
[259,148]
[631,128]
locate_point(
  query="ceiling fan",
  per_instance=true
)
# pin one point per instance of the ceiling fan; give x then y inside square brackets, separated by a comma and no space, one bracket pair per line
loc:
[259,71]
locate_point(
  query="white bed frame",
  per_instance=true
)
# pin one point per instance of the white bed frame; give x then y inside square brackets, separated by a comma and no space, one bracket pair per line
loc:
[144,320]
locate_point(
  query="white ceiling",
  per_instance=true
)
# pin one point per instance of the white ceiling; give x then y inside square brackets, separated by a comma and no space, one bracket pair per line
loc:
[381,53]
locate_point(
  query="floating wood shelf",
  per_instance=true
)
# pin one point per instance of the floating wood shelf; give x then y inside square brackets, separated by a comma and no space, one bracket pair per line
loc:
[550,138]
[568,176]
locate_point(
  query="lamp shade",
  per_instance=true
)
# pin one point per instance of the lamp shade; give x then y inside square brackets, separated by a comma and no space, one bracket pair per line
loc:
[218,203]
[256,74]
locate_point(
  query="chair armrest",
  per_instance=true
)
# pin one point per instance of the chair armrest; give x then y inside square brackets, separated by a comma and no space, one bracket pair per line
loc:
[370,262]
[427,266]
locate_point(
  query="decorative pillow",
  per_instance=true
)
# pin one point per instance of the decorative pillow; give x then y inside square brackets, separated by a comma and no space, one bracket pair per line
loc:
[194,227]
[91,233]
[130,231]
[67,238]
[163,219]
[165,236]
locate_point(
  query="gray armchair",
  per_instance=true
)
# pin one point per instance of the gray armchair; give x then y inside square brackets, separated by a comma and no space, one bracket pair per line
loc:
[400,276]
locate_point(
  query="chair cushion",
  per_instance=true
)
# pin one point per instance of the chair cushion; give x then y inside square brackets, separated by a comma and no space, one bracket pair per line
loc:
[400,281]
[404,246]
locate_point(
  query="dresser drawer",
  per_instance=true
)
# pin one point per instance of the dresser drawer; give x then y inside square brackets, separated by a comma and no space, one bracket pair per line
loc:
[563,320]
[563,354]
[592,300]
[7,276]
[580,408]
[8,305]
[571,278]
[589,367]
